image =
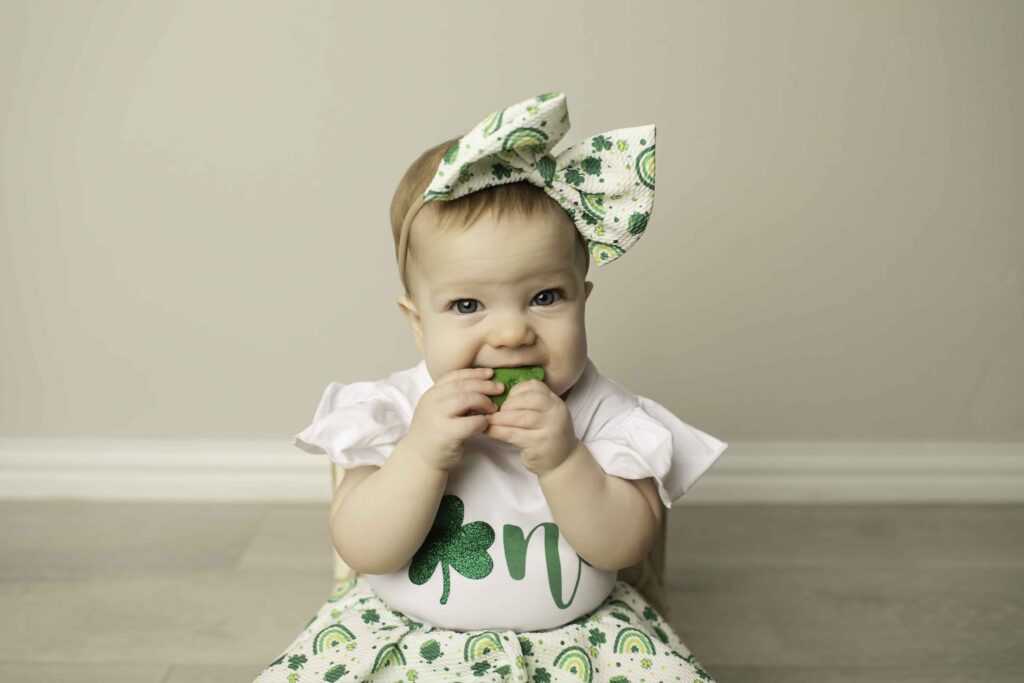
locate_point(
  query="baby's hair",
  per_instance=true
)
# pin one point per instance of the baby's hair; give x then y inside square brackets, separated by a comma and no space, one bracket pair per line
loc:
[521,198]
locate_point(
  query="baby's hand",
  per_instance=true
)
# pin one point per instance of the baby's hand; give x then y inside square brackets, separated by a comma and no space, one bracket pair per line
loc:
[451,411]
[535,419]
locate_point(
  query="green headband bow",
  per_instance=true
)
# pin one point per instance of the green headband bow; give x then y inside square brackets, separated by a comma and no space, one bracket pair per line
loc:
[605,183]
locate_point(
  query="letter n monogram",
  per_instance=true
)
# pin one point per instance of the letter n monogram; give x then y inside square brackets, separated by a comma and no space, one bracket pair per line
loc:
[515,557]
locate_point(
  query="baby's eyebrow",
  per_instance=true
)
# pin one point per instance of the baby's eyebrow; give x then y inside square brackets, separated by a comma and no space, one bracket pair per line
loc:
[554,276]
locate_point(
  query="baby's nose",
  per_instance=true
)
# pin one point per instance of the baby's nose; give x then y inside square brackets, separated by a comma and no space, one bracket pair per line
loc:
[511,331]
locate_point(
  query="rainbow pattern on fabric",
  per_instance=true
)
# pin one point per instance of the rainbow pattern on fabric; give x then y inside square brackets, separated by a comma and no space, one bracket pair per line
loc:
[389,655]
[575,660]
[634,640]
[481,645]
[332,637]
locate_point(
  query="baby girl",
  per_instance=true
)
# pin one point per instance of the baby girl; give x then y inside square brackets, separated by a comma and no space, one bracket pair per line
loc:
[488,540]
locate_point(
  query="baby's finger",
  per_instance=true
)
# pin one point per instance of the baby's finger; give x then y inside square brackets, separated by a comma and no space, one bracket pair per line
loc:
[526,419]
[476,386]
[464,374]
[466,388]
[462,404]
[474,423]
[530,386]
[526,400]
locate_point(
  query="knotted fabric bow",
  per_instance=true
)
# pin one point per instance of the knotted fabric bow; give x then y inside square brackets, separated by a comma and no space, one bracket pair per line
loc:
[605,183]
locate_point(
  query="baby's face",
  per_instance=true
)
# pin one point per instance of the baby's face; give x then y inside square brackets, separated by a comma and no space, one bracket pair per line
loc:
[501,294]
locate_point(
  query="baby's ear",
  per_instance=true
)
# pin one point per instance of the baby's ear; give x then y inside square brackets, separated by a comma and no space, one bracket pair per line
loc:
[589,287]
[407,307]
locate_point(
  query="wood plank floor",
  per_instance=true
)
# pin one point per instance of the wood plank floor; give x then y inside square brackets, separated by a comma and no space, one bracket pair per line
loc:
[175,593]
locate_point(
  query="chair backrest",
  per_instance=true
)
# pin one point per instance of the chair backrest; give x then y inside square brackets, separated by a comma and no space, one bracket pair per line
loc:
[646,576]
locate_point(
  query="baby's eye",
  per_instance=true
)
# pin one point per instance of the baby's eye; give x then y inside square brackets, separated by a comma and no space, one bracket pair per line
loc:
[553,292]
[458,309]
[456,304]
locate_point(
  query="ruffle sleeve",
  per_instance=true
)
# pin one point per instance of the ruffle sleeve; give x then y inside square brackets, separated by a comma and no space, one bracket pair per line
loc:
[649,441]
[355,424]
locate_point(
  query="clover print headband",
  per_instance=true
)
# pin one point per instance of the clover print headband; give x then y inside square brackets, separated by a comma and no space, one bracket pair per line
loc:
[605,183]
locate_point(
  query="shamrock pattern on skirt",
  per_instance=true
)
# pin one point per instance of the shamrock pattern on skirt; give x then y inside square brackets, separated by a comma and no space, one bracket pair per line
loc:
[355,636]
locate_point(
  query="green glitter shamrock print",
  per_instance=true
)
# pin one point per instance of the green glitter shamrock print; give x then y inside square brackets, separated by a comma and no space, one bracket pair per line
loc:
[450,544]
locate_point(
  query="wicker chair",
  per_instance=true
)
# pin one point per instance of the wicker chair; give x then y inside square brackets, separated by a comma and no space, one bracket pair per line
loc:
[647,576]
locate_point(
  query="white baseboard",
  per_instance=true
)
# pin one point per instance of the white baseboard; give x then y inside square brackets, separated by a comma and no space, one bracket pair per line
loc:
[239,471]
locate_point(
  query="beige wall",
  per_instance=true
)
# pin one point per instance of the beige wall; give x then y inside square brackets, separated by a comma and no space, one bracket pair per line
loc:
[195,195]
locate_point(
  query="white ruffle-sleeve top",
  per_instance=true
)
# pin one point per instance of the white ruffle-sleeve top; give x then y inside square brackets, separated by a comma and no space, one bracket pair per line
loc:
[494,557]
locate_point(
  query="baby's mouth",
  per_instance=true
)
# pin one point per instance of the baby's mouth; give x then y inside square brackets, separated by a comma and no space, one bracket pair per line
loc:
[518,365]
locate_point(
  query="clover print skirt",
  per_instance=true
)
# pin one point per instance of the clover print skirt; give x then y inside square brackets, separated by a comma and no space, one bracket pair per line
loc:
[355,636]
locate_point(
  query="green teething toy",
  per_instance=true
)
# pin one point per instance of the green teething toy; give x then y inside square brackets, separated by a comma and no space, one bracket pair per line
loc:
[509,377]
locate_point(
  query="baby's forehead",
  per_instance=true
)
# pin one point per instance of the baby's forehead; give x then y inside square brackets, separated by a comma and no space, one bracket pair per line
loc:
[495,272]
[457,271]
[511,253]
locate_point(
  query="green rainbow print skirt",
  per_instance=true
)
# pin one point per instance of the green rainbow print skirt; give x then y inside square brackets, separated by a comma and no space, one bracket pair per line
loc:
[355,636]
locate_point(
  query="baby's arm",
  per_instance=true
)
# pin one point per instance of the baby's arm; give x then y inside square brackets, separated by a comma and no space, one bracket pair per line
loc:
[609,521]
[382,521]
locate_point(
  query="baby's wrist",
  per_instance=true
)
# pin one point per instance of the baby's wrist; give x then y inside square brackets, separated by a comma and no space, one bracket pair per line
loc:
[427,454]
[575,452]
